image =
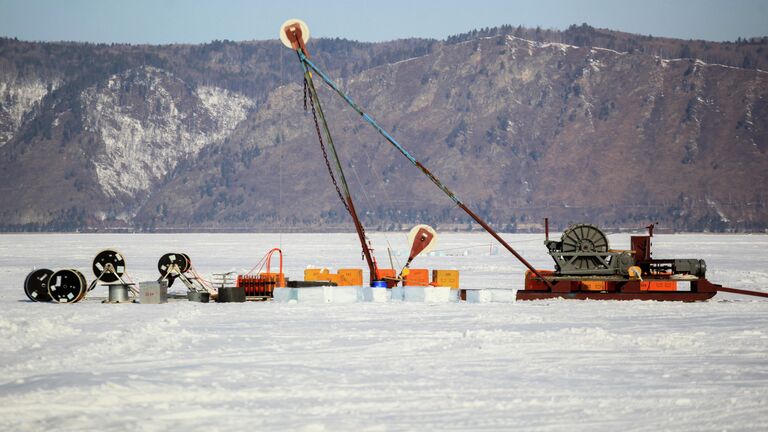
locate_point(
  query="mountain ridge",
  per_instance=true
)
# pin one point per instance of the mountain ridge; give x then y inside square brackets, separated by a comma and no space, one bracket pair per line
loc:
[560,103]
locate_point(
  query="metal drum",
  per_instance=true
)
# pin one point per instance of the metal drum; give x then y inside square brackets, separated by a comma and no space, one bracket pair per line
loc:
[118,293]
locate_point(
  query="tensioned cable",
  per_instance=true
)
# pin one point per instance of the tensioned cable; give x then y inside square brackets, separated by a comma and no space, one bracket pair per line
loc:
[280,162]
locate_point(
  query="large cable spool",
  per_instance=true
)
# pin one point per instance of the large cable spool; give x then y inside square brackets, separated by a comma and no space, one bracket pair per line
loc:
[584,239]
[188,263]
[166,263]
[109,265]
[67,286]
[36,285]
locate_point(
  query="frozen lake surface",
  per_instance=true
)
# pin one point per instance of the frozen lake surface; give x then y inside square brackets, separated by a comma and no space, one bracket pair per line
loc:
[548,365]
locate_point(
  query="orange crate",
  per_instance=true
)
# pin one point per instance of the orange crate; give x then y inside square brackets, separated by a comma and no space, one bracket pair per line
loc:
[279,278]
[417,277]
[350,277]
[532,283]
[316,274]
[658,285]
[388,273]
[593,286]
[445,278]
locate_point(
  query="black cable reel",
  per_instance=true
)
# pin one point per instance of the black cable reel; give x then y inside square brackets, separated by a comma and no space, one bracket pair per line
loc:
[110,269]
[70,285]
[173,264]
[108,266]
[67,286]
[36,285]
[62,286]
[176,265]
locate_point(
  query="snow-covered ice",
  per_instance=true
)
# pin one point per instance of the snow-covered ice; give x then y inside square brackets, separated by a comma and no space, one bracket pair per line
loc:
[550,365]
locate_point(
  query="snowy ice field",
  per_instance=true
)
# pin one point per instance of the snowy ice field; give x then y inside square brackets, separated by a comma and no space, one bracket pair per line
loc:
[548,365]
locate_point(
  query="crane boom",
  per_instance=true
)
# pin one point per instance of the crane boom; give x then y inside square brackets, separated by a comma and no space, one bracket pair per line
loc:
[294,35]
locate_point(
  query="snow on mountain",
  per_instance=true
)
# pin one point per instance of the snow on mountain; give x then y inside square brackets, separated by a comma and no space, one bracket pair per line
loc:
[227,108]
[17,98]
[149,120]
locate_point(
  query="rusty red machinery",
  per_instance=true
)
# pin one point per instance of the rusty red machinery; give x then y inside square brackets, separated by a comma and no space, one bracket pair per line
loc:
[260,282]
[586,268]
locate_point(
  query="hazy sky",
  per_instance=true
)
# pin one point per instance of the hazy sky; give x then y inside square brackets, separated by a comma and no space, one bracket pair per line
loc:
[193,21]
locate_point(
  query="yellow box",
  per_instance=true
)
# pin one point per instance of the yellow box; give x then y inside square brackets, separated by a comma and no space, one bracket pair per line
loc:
[350,277]
[445,278]
[316,274]
[311,274]
[417,277]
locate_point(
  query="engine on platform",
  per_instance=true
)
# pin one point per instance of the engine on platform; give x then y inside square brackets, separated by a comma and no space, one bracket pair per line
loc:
[583,249]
